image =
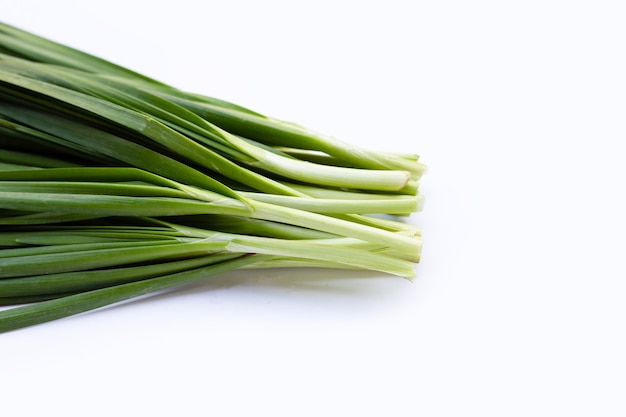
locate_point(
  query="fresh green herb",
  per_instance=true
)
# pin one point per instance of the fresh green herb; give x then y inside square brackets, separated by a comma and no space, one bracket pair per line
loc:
[114,185]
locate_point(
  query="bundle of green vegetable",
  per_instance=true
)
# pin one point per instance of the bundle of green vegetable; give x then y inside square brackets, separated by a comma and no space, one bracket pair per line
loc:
[114,185]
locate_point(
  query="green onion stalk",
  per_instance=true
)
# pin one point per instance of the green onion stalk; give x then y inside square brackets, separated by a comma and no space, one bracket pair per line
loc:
[114,185]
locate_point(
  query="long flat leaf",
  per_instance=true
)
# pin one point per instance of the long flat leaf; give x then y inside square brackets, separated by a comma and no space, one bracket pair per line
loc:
[19,266]
[89,280]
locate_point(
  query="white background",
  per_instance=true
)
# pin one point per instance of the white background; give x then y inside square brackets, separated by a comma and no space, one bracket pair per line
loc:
[518,308]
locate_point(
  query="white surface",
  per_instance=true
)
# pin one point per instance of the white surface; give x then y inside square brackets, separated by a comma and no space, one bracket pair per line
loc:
[518,309]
